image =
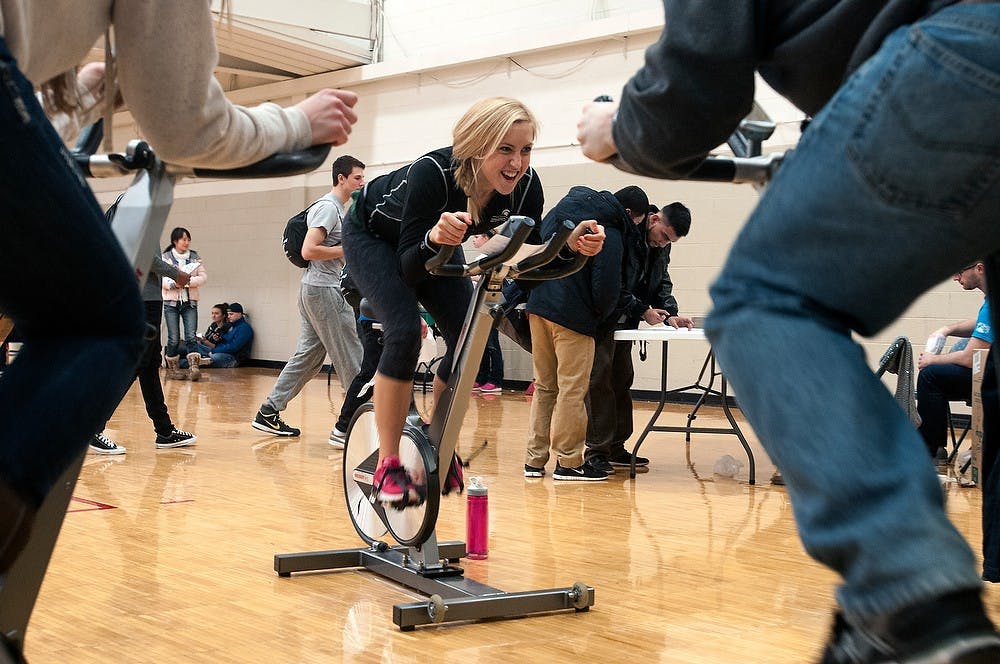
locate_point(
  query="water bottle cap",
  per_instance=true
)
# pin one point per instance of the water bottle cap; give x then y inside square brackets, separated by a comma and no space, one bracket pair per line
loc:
[476,487]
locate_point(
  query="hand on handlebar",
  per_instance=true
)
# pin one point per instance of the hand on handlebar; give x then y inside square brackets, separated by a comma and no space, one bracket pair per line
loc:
[587,238]
[331,114]
[593,130]
[450,228]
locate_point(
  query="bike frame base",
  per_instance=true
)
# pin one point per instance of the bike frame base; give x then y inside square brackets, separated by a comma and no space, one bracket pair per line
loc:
[451,596]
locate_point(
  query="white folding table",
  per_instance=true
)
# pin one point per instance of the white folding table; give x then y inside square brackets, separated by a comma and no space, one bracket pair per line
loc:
[665,335]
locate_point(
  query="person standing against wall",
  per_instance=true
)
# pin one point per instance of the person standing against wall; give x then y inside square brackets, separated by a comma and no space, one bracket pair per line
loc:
[180,303]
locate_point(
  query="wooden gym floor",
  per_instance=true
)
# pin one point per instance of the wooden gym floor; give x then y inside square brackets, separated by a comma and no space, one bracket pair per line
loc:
[167,555]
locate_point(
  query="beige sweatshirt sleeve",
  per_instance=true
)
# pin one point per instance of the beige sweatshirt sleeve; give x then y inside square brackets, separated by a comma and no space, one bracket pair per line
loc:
[166,55]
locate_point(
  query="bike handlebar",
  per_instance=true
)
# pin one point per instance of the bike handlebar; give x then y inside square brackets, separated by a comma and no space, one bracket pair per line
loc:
[140,156]
[438,264]
[529,268]
[533,267]
[753,170]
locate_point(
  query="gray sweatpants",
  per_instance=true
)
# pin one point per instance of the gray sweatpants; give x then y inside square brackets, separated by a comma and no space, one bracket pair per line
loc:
[328,327]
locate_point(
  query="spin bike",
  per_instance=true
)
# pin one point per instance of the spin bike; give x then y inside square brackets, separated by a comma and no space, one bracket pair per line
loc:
[420,562]
[138,224]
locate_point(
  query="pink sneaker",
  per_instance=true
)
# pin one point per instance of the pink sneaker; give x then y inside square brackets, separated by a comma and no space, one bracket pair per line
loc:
[455,479]
[390,480]
[490,388]
[530,389]
[476,387]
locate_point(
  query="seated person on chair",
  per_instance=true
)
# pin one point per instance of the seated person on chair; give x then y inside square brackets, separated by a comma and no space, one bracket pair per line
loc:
[233,347]
[646,295]
[948,377]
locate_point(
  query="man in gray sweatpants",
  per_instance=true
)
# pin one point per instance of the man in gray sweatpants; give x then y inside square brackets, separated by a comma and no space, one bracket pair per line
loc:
[328,323]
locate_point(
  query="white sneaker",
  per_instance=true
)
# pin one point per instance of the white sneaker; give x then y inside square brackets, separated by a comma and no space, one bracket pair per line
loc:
[338,438]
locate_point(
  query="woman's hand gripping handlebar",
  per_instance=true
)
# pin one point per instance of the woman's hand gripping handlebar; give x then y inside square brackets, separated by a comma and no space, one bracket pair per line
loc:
[530,267]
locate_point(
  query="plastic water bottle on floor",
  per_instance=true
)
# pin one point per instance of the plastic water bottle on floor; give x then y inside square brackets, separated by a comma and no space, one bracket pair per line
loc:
[727,466]
[477,520]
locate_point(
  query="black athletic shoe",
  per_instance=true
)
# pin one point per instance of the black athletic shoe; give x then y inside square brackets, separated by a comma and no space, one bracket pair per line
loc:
[534,471]
[585,472]
[952,628]
[101,444]
[271,423]
[601,463]
[623,459]
[175,438]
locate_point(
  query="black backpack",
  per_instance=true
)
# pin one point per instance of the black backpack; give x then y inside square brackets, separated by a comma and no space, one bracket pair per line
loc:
[293,237]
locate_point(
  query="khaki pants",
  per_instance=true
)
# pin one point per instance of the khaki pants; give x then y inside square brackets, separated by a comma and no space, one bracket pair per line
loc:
[562,360]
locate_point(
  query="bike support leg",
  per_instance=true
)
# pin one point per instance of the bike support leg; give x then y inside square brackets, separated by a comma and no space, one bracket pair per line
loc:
[451,596]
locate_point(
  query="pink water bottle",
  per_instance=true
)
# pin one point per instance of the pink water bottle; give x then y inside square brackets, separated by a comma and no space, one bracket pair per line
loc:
[477,520]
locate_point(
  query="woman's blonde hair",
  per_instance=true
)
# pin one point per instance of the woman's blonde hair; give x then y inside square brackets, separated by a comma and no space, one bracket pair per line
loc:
[479,132]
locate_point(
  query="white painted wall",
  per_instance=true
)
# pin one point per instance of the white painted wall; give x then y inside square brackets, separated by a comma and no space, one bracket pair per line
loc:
[408,106]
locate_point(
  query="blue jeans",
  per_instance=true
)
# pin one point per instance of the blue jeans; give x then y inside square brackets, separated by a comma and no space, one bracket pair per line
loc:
[893,187]
[219,360]
[68,377]
[173,312]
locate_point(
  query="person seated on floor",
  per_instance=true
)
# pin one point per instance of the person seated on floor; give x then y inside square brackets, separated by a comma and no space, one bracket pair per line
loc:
[216,329]
[233,347]
[948,376]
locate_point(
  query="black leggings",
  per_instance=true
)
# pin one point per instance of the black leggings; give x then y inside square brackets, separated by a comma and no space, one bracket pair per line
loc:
[375,269]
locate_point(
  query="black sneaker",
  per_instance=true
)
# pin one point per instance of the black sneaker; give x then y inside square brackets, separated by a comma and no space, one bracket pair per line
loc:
[599,462]
[175,438]
[585,472]
[952,628]
[101,444]
[271,423]
[534,471]
[623,459]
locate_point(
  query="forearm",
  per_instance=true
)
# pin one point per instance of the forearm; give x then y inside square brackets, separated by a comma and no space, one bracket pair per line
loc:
[962,328]
[321,253]
[696,85]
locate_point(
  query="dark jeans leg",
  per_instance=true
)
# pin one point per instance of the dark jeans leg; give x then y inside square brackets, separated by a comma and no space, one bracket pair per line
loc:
[70,374]
[371,343]
[990,473]
[491,366]
[622,376]
[600,400]
[938,384]
[148,374]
